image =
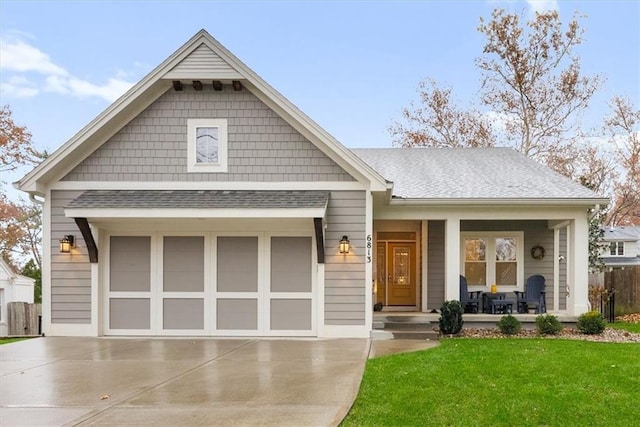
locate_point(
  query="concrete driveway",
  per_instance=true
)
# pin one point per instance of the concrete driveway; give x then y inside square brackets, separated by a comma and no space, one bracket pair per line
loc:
[157,381]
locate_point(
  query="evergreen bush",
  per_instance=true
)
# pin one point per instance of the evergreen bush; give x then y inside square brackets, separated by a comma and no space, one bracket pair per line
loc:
[451,317]
[509,325]
[591,323]
[548,324]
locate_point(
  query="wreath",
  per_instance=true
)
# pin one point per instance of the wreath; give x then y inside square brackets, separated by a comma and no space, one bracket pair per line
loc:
[537,252]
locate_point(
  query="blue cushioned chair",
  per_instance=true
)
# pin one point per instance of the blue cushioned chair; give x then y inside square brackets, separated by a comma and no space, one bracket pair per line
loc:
[533,295]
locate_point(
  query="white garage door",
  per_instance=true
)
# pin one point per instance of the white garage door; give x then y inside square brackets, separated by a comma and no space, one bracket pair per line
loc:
[213,284]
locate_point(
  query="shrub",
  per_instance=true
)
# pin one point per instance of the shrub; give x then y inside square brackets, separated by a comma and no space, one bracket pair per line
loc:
[509,325]
[591,323]
[451,317]
[548,324]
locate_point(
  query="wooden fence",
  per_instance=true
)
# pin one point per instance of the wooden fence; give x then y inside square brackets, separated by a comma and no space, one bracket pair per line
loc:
[23,318]
[626,283]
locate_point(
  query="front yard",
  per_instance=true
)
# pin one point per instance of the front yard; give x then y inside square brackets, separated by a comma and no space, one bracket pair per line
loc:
[509,382]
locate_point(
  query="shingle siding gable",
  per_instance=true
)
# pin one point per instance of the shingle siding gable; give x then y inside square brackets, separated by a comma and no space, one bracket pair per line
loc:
[262,146]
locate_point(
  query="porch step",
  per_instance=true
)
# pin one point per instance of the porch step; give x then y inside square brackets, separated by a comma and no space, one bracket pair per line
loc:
[403,327]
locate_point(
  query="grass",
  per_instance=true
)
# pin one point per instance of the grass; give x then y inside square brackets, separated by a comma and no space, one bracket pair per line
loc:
[505,382]
[10,340]
[631,327]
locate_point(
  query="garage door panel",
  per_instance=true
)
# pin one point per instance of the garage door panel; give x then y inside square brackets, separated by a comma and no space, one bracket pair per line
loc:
[290,264]
[129,313]
[183,313]
[183,264]
[237,314]
[290,314]
[237,264]
[130,264]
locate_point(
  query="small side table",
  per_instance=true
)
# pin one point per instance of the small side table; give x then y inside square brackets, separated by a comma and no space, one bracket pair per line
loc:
[488,299]
[501,306]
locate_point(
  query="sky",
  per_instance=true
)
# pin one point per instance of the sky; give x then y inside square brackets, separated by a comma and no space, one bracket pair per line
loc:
[350,66]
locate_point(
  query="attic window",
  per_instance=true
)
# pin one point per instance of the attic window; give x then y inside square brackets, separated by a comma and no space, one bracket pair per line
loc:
[207,145]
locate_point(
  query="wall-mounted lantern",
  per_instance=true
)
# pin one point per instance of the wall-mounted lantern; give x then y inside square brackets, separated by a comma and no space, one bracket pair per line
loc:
[66,243]
[344,245]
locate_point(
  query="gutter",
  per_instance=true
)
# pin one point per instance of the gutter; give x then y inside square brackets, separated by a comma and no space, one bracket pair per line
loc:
[496,201]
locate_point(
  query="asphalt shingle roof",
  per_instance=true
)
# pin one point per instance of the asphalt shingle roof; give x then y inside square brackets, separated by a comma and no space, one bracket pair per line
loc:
[469,173]
[622,233]
[200,199]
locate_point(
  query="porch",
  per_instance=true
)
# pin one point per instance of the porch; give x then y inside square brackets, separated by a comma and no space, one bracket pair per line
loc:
[418,262]
[385,322]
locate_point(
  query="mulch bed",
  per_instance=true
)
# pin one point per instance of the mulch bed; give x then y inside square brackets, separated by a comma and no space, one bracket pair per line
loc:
[609,335]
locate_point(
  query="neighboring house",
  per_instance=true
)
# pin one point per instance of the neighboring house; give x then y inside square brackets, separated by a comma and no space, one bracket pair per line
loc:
[624,246]
[13,288]
[202,202]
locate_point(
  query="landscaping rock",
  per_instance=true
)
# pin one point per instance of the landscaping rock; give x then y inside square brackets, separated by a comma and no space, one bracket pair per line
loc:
[609,335]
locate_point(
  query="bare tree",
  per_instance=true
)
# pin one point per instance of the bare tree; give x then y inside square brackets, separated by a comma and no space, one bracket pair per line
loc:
[533,89]
[437,122]
[530,74]
[623,125]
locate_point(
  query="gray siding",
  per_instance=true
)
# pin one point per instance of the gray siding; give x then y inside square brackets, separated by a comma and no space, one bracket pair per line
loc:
[70,273]
[262,147]
[202,63]
[535,233]
[345,285]
[435,265]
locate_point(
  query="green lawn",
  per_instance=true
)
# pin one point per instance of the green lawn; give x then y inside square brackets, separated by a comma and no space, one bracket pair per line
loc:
[8,340]
[631,327]
[507,382]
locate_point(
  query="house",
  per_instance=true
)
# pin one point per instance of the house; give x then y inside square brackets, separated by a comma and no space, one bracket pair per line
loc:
[202,202]
[624,246]
[13,288]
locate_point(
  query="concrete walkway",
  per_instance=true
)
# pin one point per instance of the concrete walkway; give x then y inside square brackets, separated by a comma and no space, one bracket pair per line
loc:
[118,381]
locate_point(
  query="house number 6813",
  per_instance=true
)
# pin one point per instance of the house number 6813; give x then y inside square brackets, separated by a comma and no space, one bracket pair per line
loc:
[369,245]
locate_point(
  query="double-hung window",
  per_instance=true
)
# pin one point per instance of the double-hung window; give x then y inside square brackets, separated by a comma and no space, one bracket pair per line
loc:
[207,145]
[493,257]
[616,249]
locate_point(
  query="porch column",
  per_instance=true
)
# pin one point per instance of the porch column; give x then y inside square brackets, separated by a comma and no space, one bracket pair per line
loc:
[556,269]
[579,244]
[452,259]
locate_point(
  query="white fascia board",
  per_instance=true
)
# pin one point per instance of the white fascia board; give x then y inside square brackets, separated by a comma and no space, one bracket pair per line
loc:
[208,185]
[101,213]
[492,202]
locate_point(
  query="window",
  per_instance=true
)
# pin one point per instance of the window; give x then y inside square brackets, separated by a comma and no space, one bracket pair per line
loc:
[207,145]
[489,258]
[616,249]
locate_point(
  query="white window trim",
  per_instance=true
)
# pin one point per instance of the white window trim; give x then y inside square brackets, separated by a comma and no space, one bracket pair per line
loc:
[617,243]
[192,165]
[491,263]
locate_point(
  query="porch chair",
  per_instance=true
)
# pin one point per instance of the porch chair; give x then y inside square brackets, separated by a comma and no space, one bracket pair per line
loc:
[533,295]
[469,300]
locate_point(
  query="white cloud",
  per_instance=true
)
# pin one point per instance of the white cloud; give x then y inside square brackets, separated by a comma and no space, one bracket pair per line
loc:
[18,58]
[18,87]
[17,55]
[110,91]
[543,5]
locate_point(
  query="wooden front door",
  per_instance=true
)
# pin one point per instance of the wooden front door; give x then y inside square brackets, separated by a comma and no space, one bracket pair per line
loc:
[401,274]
